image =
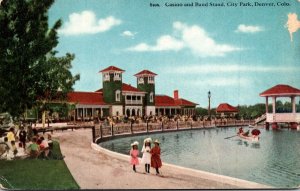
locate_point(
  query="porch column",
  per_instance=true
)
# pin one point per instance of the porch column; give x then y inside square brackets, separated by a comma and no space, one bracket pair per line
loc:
[93,112]
[274,104]
[76,110]
[293,104]
[267,104]
[164,111]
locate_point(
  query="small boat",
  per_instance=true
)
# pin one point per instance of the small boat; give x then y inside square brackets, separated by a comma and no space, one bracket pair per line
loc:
[253,138]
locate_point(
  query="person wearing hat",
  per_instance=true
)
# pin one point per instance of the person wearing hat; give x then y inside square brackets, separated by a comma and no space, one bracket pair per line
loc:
[22,136]
[146,158]
[155,157]
[134,154]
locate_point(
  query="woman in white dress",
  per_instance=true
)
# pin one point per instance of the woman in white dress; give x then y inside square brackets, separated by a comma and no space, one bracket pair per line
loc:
[146,158]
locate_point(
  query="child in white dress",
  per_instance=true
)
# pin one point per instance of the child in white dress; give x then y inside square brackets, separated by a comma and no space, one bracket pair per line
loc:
[146,158]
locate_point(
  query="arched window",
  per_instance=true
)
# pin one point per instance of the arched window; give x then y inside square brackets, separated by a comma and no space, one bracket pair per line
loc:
[118,95]
[151,97]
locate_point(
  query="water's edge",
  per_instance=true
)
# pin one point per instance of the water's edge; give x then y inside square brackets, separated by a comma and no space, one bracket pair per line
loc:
[203,174]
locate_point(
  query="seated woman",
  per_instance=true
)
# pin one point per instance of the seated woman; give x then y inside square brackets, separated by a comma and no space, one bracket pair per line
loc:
[44,147]
[49,140]
[33,148]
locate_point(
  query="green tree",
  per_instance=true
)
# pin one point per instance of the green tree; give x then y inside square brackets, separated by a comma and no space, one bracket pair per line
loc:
[201,111]
[29,67]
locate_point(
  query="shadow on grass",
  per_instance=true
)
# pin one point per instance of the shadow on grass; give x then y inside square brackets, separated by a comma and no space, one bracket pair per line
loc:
[37,174]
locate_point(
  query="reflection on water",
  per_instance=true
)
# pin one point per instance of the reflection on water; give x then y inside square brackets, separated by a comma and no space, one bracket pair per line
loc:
[255,145]
[274,160]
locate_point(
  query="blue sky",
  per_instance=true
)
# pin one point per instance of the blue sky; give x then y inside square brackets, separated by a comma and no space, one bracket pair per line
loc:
[235,52]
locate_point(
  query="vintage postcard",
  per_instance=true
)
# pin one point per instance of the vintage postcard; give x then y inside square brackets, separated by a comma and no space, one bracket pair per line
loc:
[149,94]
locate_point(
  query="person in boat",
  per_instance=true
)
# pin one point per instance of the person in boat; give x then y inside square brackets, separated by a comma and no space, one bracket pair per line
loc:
[246,133]
[241,130]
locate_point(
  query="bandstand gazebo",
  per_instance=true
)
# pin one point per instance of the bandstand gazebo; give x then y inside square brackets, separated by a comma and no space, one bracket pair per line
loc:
[273,118]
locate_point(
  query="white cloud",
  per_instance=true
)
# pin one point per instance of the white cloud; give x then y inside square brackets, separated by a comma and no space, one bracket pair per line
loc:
[128,34]
[193,38]
[227,68]
[234,81]
[164,43]
[248,29]
[199,42]
[87,23]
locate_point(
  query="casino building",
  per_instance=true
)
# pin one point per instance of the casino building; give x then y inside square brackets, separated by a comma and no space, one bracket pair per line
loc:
[116,98]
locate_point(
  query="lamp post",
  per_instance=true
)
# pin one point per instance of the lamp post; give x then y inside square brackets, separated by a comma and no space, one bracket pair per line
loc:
[209,95]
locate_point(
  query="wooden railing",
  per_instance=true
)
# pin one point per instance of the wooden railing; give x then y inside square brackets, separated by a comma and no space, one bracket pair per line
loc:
[105,131]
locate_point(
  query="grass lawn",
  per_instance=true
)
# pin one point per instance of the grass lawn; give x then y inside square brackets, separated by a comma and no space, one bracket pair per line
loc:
[37,173]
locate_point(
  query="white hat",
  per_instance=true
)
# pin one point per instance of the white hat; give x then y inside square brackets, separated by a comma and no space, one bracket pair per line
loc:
[149,140]
[135,143]
[156,141]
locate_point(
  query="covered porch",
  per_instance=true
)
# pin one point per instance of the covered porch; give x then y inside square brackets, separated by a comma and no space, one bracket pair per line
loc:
[167,110]
[90,112]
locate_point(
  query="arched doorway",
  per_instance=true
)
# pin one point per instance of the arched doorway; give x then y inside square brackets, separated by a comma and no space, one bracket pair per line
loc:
[133,112]
[138,112]
[127,112]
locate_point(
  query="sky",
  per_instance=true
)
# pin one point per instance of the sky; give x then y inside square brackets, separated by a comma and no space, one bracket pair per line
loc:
[234,52]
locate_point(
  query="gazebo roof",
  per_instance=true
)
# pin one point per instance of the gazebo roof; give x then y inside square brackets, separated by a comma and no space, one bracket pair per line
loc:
[226,108]
[112,69]
[146,73]
[281,90]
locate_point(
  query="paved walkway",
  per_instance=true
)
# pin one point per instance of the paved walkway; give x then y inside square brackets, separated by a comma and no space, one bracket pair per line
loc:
[95,170]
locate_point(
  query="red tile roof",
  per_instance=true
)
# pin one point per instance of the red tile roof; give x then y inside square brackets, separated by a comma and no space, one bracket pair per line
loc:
[281,90]
[129,88]
[112,68]
[145,72]
[125,87]
[164,100]
[184,102]
[225,107]
[87,98]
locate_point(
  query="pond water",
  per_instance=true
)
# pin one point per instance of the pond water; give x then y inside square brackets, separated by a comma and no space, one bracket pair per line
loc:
[274,160]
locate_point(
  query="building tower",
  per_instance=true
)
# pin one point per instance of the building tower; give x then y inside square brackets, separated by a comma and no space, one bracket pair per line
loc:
[112,89]
[146,83]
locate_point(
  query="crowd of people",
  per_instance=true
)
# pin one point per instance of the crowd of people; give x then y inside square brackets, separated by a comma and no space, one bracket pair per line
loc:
[151,156]
[20,144]
[151,119]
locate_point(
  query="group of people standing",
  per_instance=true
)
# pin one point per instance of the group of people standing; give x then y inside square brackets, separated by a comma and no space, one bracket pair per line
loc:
[151,156]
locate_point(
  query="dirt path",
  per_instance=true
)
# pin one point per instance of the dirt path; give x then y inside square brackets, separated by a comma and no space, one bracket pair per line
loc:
[94,170]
